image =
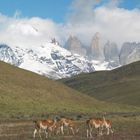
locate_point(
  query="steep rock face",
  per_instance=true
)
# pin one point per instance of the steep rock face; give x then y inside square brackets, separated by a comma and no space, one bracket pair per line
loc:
[134,56]
[48,59]
[111,54]
[130,52]
[95,51]
[8,55]
[75,46]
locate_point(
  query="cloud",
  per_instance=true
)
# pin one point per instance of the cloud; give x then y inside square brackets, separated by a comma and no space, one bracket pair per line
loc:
[113,23]
[82,11]
[27,31]
[85,18]
[118,25]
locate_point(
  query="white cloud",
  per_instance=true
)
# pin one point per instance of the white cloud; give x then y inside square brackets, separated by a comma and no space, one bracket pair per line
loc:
[115,24]
[82,11]
[27,31]
[85,19]
[118,24]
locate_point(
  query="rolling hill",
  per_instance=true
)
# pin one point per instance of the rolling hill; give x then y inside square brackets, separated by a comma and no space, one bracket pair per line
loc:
[26,94]
[121,85]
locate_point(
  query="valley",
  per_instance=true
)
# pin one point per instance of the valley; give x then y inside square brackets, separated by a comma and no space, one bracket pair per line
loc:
[118,86]
[70,70]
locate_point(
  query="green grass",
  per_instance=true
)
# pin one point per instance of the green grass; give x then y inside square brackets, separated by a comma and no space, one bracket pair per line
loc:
[121,85]
[26,94]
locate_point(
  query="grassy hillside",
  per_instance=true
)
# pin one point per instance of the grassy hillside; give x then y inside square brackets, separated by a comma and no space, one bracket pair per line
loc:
[26,94]
[121,85]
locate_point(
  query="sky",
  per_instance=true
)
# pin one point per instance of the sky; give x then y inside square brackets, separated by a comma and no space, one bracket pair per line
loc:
[54,9]
[27,22]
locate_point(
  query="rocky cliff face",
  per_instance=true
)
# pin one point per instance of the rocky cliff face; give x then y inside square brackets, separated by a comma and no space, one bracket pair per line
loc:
[111,54]
[108,56]
[96,51]
[75,46]
[130,52]
[134,56]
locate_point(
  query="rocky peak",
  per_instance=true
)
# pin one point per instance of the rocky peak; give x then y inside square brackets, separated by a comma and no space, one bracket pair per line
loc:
[95,50]
[126,49]
[130,52]
[54,41]
[111,53]
[74,45]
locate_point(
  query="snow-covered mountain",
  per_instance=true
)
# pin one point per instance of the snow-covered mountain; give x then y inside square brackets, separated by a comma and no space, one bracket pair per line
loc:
[49,59]
[30,48]
[7,55]
[55,62]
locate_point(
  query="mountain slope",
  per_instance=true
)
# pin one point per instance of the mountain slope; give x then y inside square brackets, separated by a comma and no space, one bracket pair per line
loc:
[25,94]
[121,85]
[47,59]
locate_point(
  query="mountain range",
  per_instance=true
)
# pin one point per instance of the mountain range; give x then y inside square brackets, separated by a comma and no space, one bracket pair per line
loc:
[107,55]
[54,61]
[49,60]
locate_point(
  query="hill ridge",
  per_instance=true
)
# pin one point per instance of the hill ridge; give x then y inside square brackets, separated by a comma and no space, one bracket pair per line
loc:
[26,94]
[120,85]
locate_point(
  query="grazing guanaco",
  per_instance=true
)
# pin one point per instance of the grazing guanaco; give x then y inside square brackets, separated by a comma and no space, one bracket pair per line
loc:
[108,125]
[94,123]
[99,124]
[68,123]
[46,125]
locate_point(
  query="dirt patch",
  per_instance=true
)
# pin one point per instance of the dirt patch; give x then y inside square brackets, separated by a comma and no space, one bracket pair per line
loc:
[124,129]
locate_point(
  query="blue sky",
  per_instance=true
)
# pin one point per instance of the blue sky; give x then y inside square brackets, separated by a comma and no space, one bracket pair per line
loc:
[130,4]
[53,9]
[82,18]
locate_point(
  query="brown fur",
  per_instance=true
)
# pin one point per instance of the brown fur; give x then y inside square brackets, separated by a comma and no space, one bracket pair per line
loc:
[46,125]
[70,124]
[98,123]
